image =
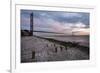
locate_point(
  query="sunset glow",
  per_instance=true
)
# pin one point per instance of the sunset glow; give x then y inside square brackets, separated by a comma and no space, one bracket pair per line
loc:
[58,22]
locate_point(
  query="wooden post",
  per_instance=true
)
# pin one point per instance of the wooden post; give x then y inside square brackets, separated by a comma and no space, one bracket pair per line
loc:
[61,48]
[33,54]
[56,49]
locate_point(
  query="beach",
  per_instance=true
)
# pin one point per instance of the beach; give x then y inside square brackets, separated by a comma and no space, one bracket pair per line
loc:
[39,49]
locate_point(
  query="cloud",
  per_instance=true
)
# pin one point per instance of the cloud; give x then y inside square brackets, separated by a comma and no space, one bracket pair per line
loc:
[25,21]
[78,25]
[68,28]
[67,17]
[59,22]
[81,31]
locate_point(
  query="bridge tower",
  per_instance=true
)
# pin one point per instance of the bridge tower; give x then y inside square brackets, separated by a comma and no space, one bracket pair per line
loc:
[31,24]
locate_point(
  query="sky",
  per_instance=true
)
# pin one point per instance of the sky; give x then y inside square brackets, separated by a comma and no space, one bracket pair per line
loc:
[64,23]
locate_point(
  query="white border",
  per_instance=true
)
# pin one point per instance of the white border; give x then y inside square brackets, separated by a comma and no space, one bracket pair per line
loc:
[16,66]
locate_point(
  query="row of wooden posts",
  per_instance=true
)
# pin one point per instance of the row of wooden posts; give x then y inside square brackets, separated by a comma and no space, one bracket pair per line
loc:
[56,50]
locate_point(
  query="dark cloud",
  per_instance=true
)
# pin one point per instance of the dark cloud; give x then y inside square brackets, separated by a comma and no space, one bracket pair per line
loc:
[46,20]
[67,17]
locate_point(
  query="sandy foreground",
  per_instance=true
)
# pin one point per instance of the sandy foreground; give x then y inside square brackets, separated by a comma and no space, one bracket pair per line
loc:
[35,49]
